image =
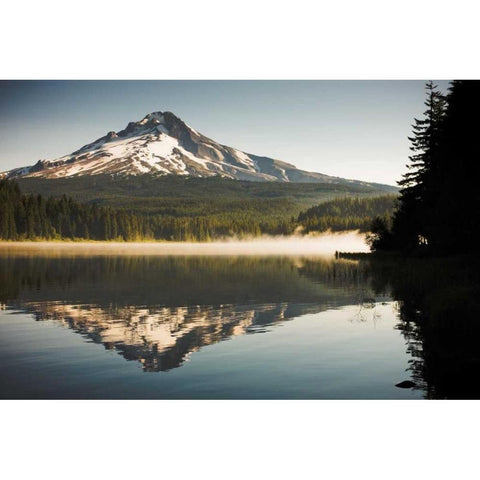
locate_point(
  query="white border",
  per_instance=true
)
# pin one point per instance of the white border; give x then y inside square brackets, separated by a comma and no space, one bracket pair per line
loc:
[251,39]
[239,439]
[240,40]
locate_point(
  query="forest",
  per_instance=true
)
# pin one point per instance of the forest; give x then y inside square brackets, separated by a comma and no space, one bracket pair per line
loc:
[437,210]
[435,213]
[349,213]
[37,217]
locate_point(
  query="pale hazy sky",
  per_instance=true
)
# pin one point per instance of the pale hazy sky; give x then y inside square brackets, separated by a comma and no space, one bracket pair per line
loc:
[353,129]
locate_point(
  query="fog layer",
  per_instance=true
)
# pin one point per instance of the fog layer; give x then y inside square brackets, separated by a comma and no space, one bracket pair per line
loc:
[323,244]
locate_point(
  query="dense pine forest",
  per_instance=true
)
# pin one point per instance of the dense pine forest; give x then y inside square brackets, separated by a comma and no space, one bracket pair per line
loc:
[437,210]
[190,196]
[346,214]
[34,216]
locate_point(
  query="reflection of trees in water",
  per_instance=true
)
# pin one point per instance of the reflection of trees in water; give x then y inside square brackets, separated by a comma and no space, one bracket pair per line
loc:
[158,310]
[439,302]
[174,281]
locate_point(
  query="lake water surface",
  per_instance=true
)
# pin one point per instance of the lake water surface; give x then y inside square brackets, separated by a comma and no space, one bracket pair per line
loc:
[107,325]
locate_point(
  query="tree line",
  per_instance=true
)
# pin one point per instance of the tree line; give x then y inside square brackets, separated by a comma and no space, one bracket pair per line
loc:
[346,213]
[437,210]
[31,217]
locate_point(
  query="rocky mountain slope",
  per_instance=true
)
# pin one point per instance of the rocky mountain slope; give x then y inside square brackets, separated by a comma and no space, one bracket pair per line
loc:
[163,144]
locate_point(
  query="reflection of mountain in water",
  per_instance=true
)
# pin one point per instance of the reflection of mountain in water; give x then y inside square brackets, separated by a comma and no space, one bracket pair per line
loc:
[157,310]
[162,338]
[160,309]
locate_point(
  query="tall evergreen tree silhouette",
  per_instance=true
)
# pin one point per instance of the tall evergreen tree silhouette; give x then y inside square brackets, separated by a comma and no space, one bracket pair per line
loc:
[454,217]
[409,226]
[440,195]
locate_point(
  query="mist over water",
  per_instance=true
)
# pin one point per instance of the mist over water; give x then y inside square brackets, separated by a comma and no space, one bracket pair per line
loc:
[320,244]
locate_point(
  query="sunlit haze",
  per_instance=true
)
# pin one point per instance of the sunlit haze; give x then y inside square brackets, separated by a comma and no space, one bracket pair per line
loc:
[319,244]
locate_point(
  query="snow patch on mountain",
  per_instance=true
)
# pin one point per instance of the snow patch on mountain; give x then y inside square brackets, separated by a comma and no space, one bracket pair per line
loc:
[162,144]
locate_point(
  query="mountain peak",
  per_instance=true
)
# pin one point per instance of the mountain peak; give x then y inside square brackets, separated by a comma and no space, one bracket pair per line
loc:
[162,144]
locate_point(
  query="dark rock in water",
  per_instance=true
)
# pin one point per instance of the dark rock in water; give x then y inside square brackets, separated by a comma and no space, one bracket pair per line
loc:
[406,384]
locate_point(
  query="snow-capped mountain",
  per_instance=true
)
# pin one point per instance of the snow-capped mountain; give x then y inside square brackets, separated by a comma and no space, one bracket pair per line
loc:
[163,144]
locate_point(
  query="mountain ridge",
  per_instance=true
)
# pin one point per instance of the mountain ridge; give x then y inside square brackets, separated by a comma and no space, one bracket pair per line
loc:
[163,144]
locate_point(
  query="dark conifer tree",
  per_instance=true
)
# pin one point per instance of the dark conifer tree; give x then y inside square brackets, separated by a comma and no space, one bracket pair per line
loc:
[409,226]
[455,215]
[440,197]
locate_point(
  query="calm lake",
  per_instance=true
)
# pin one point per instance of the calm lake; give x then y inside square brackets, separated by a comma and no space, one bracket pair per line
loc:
[117,325]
